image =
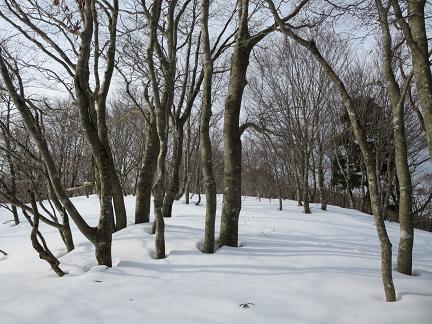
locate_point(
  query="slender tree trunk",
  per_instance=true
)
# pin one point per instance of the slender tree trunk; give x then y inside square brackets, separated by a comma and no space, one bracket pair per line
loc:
[306,206]
[65,232]
[198,184]
[185,189]
[35,236]
[321,186]
[205,142]
[7,140]
[417,40]
[397,99]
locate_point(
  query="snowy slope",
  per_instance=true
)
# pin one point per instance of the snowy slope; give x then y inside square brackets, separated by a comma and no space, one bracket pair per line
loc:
[294,268]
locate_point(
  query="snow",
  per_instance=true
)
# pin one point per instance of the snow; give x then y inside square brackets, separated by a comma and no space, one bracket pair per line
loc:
[292,267]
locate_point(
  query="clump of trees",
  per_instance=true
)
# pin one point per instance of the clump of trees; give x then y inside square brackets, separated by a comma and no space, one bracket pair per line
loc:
[168,99]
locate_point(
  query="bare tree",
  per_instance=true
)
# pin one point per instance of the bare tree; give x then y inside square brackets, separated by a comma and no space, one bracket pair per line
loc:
[397,99]
[386,252]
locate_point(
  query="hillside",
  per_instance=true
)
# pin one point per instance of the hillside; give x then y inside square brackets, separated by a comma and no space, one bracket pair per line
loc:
[291,267]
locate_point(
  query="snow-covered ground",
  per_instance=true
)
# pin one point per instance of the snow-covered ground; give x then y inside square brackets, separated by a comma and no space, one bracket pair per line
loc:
[292,267]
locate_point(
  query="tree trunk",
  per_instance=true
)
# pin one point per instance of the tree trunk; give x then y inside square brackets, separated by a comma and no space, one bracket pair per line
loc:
[65,232]
[306,206]
[104,229]
[6,134]
[232,143]
[146,176]
[321,186]
[198,184]
[118,199]
[162,107]
[397,99]
[185,189]
[42,249]
[205,142]
[174,181]
[417,40]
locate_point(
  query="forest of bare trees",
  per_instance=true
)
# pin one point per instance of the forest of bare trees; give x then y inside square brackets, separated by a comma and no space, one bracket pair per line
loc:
[323,102]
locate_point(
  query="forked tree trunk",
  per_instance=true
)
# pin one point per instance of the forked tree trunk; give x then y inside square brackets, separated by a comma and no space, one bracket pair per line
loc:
[41,248]
[397,99]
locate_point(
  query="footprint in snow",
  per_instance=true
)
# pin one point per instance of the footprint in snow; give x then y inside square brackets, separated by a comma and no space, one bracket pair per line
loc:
[246,305]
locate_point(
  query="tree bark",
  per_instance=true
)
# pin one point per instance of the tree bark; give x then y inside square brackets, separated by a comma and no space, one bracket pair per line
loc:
[147,175]
[397,99]
[205,142]
[306,206]
[417,40]
[323,199]
[42,249]
[232,143]
[174,181]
